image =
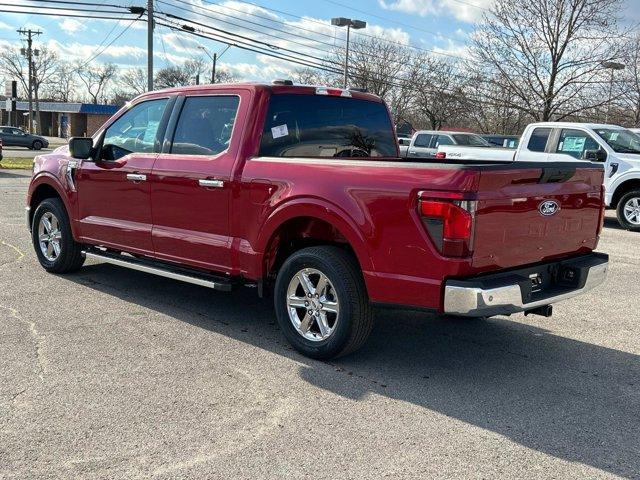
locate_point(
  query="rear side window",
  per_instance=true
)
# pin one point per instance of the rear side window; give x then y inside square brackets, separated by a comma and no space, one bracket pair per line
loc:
[422,140]
[575,142]
[205,125]
[470,140]
[538,140]
[324,126]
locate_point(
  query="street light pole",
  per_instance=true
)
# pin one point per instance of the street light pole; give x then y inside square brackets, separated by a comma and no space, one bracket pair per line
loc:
[150,45]
[349,23]
[214,59]
[611,66]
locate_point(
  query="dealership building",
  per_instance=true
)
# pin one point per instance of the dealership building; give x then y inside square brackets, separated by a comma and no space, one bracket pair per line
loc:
[61,119]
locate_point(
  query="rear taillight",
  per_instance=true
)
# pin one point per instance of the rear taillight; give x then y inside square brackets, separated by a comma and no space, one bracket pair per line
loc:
[449,222]
[441,155]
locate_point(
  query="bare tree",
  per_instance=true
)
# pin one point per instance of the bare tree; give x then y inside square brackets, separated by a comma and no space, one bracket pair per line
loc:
[547,53]
[45,67]
[439,92]
[96,78]
[628,90]
[134,80]
[62,86]
[179,76]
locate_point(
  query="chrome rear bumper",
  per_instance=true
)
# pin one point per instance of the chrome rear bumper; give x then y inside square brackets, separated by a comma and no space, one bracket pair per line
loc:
[511,292]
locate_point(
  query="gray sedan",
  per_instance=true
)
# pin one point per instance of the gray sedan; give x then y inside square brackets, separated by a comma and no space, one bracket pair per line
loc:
[14,137]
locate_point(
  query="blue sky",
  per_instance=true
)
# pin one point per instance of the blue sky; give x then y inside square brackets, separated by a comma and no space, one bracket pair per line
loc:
[441,26]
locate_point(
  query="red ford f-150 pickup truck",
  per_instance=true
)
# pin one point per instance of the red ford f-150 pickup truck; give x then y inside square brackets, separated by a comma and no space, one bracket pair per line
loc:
[300,191]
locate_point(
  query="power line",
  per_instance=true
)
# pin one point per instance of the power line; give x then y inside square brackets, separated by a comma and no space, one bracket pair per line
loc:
[93,17]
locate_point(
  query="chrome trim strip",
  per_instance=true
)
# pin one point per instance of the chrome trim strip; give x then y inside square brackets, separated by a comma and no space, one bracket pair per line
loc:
[476,302]
[158,271]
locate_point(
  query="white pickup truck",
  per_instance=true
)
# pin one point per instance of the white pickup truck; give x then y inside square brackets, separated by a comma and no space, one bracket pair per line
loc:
[617,147]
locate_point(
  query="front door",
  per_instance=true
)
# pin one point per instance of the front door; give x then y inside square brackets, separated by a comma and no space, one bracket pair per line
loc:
[113,190]
[191,186]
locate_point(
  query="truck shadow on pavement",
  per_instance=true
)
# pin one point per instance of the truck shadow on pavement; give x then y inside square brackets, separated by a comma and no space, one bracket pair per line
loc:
[573,400]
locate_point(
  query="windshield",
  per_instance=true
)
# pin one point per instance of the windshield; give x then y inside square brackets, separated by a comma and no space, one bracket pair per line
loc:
[620,140]
[471,140]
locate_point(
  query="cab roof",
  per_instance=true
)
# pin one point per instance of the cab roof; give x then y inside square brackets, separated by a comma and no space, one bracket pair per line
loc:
[258,86]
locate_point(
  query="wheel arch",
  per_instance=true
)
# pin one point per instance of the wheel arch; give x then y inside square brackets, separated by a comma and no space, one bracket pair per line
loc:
[623,188]
[44,187]
[304,223]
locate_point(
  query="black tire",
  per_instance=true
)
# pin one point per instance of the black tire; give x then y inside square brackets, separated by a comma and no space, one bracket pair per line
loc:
[36,145]
[70,257]
[620,210]
[355,319]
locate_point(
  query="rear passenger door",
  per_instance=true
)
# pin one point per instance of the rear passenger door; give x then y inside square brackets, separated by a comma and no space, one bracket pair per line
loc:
[536,148]
[192,177]
[421,146]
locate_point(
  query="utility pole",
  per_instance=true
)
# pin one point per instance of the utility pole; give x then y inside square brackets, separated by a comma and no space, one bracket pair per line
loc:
[29,55]
[213,68]
[214,59]
[149,45]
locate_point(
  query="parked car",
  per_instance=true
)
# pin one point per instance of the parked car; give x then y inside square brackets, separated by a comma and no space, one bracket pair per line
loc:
[635,130]
[504,141]
[247,184]
[617,148]
[403,144]
[15,137]
[425,143]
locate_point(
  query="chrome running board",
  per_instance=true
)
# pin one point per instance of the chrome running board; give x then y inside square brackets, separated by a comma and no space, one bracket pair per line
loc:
[162,269]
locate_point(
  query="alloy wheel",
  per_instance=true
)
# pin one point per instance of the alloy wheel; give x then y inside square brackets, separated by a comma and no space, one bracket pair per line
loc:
[312,304]
[49,236]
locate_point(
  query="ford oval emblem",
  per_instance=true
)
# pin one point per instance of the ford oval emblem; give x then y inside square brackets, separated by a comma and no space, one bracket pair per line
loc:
[548,208]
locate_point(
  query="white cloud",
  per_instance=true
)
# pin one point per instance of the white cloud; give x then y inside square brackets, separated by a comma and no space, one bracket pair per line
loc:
[5,26]
[469,11]
[71,26]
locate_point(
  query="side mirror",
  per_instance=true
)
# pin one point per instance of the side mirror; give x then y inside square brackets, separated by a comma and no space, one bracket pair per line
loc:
[598,155]
[80,147]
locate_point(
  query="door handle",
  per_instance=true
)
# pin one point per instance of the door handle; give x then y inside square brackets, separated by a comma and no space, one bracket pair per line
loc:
[206,182]
[136,177]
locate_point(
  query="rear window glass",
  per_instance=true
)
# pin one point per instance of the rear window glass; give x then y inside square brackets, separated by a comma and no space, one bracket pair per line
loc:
[322,126]
[538,140]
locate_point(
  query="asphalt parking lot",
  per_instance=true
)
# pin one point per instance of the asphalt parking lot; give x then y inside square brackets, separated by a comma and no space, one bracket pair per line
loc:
[110,373]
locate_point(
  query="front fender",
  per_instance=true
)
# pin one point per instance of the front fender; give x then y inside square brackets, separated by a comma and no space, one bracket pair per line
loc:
[47,178]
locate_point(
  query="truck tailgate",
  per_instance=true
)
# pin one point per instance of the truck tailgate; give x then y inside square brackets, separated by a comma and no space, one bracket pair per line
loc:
[536,212]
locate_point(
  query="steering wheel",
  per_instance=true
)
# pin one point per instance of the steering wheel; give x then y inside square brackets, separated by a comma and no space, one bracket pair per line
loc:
[352,152]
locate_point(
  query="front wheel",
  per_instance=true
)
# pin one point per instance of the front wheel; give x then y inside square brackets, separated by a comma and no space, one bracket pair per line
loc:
[628,210]
[37,145]
[321,302]
[53,242]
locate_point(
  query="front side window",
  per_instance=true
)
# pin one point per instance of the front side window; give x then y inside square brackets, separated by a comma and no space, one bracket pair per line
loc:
[620,140]
[326,126]
[205,125]
[470,140]
[575,143]
[538,140]
[135,131]
[443,140]
[422,140]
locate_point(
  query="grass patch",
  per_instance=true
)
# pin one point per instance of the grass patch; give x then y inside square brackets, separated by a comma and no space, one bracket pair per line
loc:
[13,163]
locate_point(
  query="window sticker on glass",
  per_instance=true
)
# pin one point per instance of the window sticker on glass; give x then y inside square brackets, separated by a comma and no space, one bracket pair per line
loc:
[279,131]
[573,144]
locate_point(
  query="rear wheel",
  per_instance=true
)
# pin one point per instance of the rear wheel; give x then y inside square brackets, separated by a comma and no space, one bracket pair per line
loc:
[321,302]
[37,145]
[53,242]
[628,210]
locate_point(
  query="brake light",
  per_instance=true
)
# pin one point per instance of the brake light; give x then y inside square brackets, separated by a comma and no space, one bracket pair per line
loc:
[449,223]
[441,155]
[335,92]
